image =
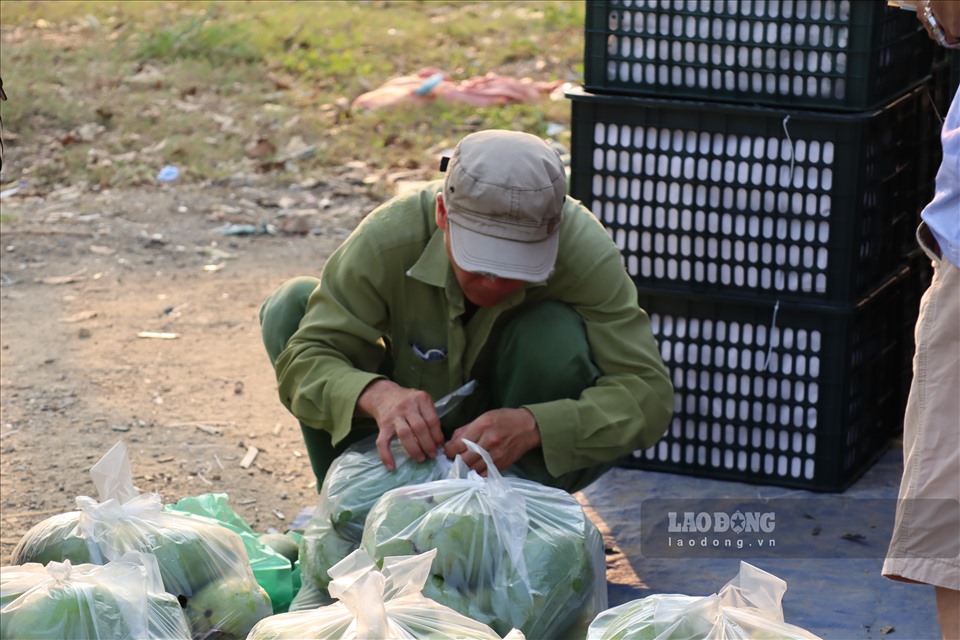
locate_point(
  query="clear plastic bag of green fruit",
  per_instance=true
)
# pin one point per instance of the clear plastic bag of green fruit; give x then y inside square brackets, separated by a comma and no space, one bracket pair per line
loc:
[386,604]
[272,556]
[511,553]
[354,482]
[746,608]
[124,600]
[202,564]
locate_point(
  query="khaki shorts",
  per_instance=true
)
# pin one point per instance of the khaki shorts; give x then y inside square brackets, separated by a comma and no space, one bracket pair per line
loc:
[925,541]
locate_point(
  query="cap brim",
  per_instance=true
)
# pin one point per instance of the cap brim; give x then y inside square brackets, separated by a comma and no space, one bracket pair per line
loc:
[479,253]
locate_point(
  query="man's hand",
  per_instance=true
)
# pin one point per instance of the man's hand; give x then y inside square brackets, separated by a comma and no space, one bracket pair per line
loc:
[506,434]
[407,414]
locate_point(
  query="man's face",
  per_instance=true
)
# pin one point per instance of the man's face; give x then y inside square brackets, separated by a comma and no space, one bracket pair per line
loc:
[482,290]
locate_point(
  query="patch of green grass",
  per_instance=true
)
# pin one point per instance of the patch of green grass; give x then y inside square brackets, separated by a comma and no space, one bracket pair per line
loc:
[208,37]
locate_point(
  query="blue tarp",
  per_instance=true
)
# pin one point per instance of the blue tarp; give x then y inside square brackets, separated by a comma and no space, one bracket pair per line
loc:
[829,548]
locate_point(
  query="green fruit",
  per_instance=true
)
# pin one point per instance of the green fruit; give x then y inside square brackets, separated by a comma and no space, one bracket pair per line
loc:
[320,548]
[282,544]
[357,479]
[166,617]
[229,607]
[194,554]
[475,604]
[55,539]
[65,610]
[469,551]
[390,518]
[549,596]
[190,552]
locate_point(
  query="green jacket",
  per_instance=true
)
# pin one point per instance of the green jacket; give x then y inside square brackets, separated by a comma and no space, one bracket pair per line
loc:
[390,285]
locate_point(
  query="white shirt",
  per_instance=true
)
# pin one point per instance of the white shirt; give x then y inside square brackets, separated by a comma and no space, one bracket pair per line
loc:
[942,215]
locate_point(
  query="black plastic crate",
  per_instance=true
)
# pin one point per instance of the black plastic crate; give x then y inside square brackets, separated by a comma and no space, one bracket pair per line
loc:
[802,205]
[785,394]
[819,54]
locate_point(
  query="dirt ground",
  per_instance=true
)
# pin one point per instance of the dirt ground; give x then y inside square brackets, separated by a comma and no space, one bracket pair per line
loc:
[85,276]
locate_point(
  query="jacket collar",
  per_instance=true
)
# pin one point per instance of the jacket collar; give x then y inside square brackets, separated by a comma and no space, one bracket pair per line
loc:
[433,265]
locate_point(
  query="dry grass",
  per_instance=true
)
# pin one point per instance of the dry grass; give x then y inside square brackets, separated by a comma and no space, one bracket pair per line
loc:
[106,93]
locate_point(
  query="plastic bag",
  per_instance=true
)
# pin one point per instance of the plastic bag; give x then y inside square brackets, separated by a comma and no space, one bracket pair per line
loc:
[374,604]
[511,553]
[122,600]
[746,608]
[272,570]
[354,482]
[201,563]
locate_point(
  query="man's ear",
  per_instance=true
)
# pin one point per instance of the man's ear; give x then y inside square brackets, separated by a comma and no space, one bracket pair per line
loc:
[441,212]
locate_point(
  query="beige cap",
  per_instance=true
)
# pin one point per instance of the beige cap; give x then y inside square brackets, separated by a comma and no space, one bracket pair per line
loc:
[504,192]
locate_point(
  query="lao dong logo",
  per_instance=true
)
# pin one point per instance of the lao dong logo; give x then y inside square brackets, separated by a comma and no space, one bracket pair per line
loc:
[721,529]
[720,522]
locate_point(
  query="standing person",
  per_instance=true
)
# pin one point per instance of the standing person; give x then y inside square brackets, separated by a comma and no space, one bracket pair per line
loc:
[925,546]
[492,274]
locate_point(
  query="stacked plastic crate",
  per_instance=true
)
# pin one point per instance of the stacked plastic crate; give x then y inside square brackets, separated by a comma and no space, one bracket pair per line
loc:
[762,165]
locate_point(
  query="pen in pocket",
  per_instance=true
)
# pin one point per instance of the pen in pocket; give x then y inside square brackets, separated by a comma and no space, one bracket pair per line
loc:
[429,355]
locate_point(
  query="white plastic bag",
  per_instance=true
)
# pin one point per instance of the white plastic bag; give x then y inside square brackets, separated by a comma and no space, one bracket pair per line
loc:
[122,600]
[511,553]
[386,605]
[201,563]
[354,482]
[746,608]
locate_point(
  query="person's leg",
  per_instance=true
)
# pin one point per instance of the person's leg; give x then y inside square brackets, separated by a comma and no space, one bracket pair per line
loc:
[925,545]
[280,318]
[281,313]
[543,355]
[948,612]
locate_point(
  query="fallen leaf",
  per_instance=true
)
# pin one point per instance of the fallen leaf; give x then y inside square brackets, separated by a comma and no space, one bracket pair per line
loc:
[80,317]
[104,113]
[145,76]
[297,149]
[266,167]
[155,147]
[90,131]
[187,107]
[213,431]
[280,82]
[262,148]
[295,225]
[227,124]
